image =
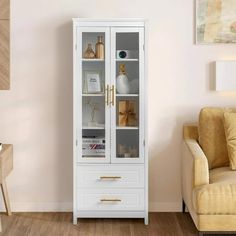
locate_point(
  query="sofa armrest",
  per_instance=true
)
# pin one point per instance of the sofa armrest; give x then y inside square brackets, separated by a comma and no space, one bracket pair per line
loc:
[194,160]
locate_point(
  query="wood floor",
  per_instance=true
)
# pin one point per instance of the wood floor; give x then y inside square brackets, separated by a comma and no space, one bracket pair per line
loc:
[60,224]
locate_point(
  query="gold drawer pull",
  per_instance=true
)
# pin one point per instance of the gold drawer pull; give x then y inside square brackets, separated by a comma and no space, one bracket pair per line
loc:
[110,177]
[110,200]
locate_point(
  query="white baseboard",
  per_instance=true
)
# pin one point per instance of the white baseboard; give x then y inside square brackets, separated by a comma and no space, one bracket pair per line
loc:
[165,207]
[39,207]
[68,206]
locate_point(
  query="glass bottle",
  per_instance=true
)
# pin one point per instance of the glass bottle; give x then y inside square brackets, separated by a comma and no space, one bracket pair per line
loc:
[100,49]
[89,53]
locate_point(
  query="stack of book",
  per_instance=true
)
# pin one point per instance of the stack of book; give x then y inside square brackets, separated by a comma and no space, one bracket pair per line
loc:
[93,146]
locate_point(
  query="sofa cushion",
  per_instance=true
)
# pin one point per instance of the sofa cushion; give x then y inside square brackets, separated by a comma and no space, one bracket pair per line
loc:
[218,197]
[222,175]
[212,136]
[230,133]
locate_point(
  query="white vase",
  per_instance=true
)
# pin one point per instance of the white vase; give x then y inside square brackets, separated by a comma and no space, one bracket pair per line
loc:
[122,84]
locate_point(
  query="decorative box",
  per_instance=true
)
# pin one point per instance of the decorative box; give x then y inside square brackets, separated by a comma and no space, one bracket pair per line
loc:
[127,113]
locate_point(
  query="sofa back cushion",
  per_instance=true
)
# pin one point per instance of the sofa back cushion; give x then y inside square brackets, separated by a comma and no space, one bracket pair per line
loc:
[212,136]
[230,133]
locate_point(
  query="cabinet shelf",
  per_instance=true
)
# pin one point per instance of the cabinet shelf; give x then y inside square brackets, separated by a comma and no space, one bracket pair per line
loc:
[129,158]
[127,95]
[93,60]
[126,127]
[86,156]
[94,127]
[93,94]
[127,60]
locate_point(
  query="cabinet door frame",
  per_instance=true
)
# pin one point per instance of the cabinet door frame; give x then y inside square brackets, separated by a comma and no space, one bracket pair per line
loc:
[142,100]
[78,90]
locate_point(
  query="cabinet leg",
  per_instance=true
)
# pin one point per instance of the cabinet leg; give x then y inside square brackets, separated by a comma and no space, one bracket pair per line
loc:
[75,222]
[146,220]
[6,197]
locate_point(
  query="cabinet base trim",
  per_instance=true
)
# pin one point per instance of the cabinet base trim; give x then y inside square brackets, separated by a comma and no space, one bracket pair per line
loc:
[110,214]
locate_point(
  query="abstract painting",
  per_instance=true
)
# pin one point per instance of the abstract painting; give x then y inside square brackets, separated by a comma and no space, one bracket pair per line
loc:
[216,21]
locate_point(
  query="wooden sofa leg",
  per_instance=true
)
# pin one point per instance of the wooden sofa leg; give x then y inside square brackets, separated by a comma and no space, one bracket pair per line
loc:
[6,197]
[183,206]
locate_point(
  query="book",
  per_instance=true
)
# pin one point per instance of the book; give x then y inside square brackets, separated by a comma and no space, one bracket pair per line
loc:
[93,146]
[97,140]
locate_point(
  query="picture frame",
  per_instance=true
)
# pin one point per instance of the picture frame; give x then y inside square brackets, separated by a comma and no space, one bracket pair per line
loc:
[92,82]
[215,22]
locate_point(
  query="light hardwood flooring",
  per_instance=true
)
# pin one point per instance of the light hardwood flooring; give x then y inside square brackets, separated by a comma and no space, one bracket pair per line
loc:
[60,224]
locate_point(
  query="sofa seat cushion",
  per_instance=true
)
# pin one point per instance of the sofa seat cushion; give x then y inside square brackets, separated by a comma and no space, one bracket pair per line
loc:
[218,197]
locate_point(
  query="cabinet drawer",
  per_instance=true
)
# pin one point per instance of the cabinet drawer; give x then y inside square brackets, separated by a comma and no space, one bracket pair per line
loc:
[106,200]
[114,176]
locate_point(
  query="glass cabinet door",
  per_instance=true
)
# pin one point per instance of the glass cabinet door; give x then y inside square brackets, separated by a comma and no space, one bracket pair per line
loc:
[127,94]
[93,57]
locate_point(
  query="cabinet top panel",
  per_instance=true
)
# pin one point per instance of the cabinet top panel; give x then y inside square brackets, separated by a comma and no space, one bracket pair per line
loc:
[132,22]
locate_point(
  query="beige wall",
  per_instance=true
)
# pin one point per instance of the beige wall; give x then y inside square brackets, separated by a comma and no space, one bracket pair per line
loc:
[36,115]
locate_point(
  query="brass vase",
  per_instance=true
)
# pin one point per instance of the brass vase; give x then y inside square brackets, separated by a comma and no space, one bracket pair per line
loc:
[89,53]
[100,48]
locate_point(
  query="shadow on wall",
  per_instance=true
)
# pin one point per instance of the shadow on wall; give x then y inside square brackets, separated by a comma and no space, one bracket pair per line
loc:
[210,70]
[64,152]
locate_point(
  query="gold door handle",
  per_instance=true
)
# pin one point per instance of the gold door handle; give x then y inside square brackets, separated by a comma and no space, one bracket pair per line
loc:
[110,177]
[112,95]
[110,200]
[107,95]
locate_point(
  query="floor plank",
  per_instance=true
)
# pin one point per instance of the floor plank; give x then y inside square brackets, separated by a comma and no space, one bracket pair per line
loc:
[60,224]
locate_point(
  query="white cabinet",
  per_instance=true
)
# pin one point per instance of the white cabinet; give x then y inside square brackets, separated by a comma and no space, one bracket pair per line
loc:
[110,117]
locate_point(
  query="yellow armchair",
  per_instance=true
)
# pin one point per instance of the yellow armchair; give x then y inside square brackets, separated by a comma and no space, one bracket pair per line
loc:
[209,193]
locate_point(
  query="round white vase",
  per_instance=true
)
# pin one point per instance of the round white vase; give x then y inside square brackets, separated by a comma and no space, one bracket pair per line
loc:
[122,84]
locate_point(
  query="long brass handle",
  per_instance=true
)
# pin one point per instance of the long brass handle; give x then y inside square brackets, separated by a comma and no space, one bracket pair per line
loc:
[112,95]
[110,177]
[107,95]
[110,200]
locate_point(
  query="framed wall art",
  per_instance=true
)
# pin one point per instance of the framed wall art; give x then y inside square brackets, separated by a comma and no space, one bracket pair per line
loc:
[215,21]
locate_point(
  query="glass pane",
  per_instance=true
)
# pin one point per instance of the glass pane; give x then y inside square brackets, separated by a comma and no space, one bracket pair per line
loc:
[93,97]
[127,95]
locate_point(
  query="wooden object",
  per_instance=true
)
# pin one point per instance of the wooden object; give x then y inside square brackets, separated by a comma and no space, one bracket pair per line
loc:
[4,44]
[6,166]
[4,55]
[127,114]
[4,9]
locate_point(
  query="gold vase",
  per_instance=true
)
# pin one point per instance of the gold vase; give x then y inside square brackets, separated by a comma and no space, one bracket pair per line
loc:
[89,53]
[100,48]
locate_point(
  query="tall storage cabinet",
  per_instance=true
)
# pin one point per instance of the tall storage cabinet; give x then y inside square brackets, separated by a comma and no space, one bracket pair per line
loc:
[110,162]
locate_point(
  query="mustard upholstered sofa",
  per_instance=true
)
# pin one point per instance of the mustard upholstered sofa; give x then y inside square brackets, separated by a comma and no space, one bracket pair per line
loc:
[208,182]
